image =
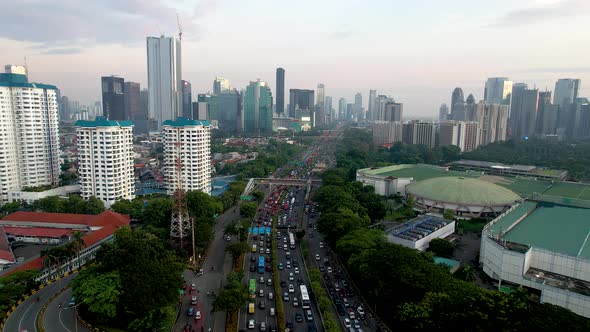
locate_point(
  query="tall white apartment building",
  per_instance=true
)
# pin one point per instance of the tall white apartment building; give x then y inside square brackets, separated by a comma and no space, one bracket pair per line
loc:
[187,145]
[29,146]
[424,134]
[105,157]
[164,78]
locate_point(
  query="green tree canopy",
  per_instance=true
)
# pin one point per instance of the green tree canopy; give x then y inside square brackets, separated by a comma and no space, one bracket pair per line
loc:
[248,210]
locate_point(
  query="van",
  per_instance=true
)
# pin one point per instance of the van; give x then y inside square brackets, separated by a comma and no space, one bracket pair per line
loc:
[253,248]
[251,308]
[272,312]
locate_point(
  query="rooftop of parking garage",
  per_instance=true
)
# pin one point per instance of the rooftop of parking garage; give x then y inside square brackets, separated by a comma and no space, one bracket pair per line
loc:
[558,228]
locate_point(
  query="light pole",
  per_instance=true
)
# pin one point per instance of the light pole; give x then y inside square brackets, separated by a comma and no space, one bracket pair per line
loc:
[75,318]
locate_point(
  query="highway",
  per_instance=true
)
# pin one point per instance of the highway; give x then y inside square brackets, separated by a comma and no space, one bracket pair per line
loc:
[62,318]
[23,318]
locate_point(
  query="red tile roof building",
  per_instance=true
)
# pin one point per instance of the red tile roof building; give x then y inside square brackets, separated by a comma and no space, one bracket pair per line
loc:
[98,228]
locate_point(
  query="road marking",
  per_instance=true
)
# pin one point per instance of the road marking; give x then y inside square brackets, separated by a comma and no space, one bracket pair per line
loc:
[62,324]
[20,322]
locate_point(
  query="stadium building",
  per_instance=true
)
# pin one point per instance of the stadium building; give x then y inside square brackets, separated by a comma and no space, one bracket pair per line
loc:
[510,170]
[542,246]
[468,197]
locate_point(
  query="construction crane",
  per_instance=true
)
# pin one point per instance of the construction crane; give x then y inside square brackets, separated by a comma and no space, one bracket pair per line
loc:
[179,27]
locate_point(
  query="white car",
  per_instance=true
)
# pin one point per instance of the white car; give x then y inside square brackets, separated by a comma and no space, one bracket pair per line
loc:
[291,276]
[268,251]
[228,238]
[296,270]
[198,315]
[360,310]
[291,288]
[321,244]
[317,257]
[329,269]
[346,323]
[251,324]
[357,324]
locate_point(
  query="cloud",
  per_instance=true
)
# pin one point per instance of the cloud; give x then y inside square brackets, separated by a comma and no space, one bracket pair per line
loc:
[50,24]
[341,34]
[543,11]
[69,50]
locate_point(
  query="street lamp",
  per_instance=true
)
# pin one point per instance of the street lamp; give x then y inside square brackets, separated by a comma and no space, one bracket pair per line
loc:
[74,307]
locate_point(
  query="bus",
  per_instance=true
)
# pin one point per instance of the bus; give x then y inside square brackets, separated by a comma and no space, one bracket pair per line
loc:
[260,264]
[305,304]
[291,241]
[252,289]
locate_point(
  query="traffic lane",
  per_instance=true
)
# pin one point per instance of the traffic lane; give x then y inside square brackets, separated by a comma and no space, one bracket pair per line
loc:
[211,280]
[59,316]
[23,317]
[324,252]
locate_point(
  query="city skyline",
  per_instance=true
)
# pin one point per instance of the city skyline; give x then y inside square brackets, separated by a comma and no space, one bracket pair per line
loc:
[413,70]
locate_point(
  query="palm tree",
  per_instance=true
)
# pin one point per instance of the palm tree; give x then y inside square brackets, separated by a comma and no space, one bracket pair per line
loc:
[78,243]
[49,258]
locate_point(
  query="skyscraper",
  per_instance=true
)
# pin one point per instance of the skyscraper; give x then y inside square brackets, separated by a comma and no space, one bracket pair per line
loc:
[29,147]
[328,110]
[221,84]
[187,102]
[141,123]
[132,103]
[379,109]
[113,98]
[566,91]
[258,108]
[456,98]
[371,112]
[386,132]
[524,108]
[468,136]
[164,78]
[187,141]
[497,90]
[301,103]
[342,109]
[280,87]
[470,108]
[358,106]
[393,112]
[443,112]
[448,133]
[226,105]
[493,122]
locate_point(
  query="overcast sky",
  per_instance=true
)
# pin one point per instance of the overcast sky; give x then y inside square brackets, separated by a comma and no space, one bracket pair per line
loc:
[416,51]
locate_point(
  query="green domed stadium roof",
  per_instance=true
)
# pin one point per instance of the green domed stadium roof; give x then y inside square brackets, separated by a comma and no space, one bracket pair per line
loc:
[468,191]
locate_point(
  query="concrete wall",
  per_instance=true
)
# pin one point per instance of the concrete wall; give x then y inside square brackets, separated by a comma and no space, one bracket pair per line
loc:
[30,197]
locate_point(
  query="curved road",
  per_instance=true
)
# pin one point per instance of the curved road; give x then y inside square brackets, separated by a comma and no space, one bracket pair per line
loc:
[25,315]
[58,319]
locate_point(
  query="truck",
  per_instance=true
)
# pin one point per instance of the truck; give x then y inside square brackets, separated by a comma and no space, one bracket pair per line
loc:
[291,241]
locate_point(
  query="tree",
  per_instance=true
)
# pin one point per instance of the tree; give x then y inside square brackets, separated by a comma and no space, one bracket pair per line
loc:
[78,243]
[441,247]
[465,273]
[258,195]
[202,206]
[157,213]
[248,210]
[233,296]
[236,249]
[300,234]
[449,214]
[133,208]
[358,241]
[99,291]
[337,224]
[10,207]
[145,270]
